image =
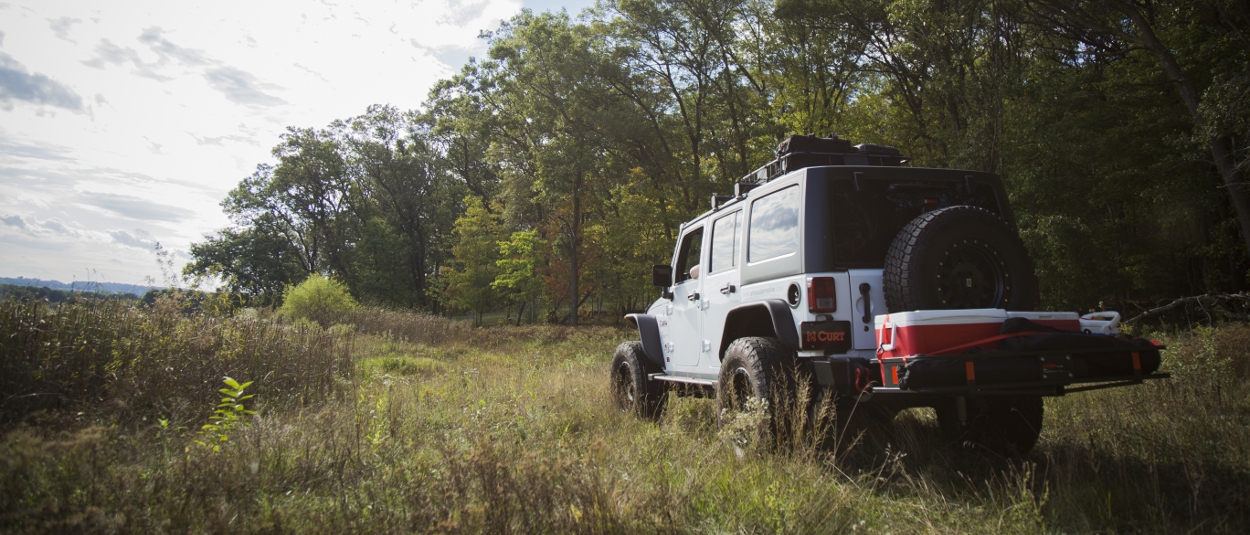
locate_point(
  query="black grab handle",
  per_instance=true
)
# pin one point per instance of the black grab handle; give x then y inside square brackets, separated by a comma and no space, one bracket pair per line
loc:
[863,290]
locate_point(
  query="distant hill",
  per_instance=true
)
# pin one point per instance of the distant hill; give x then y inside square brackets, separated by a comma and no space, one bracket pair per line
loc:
[79,286]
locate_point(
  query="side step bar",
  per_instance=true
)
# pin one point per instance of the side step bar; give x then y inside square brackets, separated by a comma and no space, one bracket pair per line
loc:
[680,379]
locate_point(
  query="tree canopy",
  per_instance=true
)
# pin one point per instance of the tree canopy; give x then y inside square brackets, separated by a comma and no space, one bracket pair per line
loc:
[557,169]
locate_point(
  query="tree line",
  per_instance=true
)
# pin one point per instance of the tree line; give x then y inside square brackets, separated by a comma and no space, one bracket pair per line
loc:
[549,176]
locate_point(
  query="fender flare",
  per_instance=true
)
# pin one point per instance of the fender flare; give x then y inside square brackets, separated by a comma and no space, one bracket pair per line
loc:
[782,322]
[649,332]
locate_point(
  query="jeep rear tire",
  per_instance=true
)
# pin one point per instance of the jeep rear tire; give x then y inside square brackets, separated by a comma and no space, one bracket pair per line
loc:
[1003,425]
[632,390]
[759,368]
[958,257]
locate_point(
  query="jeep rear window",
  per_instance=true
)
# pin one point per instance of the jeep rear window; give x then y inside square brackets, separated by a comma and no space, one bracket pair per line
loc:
[774,229]
[726,241]
[862,223]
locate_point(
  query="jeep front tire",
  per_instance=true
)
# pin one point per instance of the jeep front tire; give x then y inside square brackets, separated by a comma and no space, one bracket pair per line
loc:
[632,390]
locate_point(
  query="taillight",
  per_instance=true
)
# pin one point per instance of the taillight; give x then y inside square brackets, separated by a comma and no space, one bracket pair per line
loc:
[821,295]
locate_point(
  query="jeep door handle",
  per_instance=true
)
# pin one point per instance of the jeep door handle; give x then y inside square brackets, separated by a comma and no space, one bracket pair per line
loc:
[865,290]
[728,289]
[693,297]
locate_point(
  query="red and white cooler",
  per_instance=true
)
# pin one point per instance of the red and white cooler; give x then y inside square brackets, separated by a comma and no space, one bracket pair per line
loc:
[924,332]
[938,333]
[929,331]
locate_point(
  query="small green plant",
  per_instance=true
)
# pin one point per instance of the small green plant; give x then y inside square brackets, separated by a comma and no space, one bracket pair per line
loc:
[228,415]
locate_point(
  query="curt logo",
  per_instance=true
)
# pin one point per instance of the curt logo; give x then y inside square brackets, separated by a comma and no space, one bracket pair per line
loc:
[825,336]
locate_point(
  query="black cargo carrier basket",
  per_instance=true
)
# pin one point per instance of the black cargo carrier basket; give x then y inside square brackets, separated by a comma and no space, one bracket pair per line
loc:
[797,152]
[1014,373]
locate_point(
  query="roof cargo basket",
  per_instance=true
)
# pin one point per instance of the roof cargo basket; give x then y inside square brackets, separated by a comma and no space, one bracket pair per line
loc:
[798,151]
[881,154]
[810,143]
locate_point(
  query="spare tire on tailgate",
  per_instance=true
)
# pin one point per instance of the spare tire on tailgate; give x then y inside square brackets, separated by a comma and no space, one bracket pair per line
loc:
[958,257]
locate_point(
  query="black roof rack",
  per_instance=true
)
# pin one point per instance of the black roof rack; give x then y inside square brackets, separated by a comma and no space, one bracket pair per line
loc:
[798,151]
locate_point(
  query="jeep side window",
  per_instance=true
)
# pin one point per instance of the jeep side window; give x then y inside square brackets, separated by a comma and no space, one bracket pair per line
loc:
[774,227]
[726,241]
[688,255]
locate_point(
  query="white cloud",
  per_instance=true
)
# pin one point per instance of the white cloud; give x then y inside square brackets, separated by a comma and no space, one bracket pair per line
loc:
[241,87]
[108,53]
[165,49]
[60,27]
[136,208]
[51,231]
[141,239]
[16,84]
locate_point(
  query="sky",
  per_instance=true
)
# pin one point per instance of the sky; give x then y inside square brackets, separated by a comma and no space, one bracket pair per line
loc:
[125,123]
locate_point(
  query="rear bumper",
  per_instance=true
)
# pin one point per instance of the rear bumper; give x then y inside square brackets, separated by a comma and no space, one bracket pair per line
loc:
[988,373]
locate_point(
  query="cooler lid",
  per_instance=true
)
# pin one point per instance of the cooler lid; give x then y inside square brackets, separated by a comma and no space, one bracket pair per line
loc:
[943,317]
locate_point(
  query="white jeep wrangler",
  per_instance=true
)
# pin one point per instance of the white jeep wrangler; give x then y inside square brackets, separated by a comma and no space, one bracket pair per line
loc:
[795,270]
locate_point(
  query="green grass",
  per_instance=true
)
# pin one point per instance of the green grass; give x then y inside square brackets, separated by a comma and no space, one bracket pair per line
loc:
[509,430]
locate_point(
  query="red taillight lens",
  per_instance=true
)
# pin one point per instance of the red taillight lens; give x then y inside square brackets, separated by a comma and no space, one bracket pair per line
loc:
[821,296]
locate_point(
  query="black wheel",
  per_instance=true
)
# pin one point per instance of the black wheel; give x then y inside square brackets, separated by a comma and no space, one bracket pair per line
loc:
[632,390]
[756,369]
[958,257]
[840,422]
[1004,425]
[872,412]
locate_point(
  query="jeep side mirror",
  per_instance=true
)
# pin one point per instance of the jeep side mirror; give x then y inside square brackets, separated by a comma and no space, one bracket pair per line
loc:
[662,275]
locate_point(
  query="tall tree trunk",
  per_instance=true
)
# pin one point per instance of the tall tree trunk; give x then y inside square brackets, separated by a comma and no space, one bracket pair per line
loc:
[573,246]
[418,267]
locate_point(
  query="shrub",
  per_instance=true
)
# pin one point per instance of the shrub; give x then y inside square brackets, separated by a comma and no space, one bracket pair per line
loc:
[318,299]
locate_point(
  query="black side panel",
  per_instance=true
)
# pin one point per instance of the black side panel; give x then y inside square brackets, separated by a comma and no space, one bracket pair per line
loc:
[783,323]
[649,331]
[818,222]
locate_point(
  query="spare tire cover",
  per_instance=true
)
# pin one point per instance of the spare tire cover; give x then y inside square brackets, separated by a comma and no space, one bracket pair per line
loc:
[958,257]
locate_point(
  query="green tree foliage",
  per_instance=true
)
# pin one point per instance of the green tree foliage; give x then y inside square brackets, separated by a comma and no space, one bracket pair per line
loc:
[469,281]
[557,170]
[1201,49]
[319,298]
[366,200]
[405,205]
[54,296]
[518,278]
[252,262]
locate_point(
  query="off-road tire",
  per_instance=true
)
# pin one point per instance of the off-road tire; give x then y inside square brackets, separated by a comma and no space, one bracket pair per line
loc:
[756,367]
[958,257]
[1001,425]
[839,422]
[632,391]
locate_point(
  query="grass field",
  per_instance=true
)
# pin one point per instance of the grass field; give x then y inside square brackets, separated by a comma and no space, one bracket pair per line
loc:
[405,423]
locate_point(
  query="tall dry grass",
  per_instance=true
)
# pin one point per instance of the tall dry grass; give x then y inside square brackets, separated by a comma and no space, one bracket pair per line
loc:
[156,362]
[510,431]
[407,326]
